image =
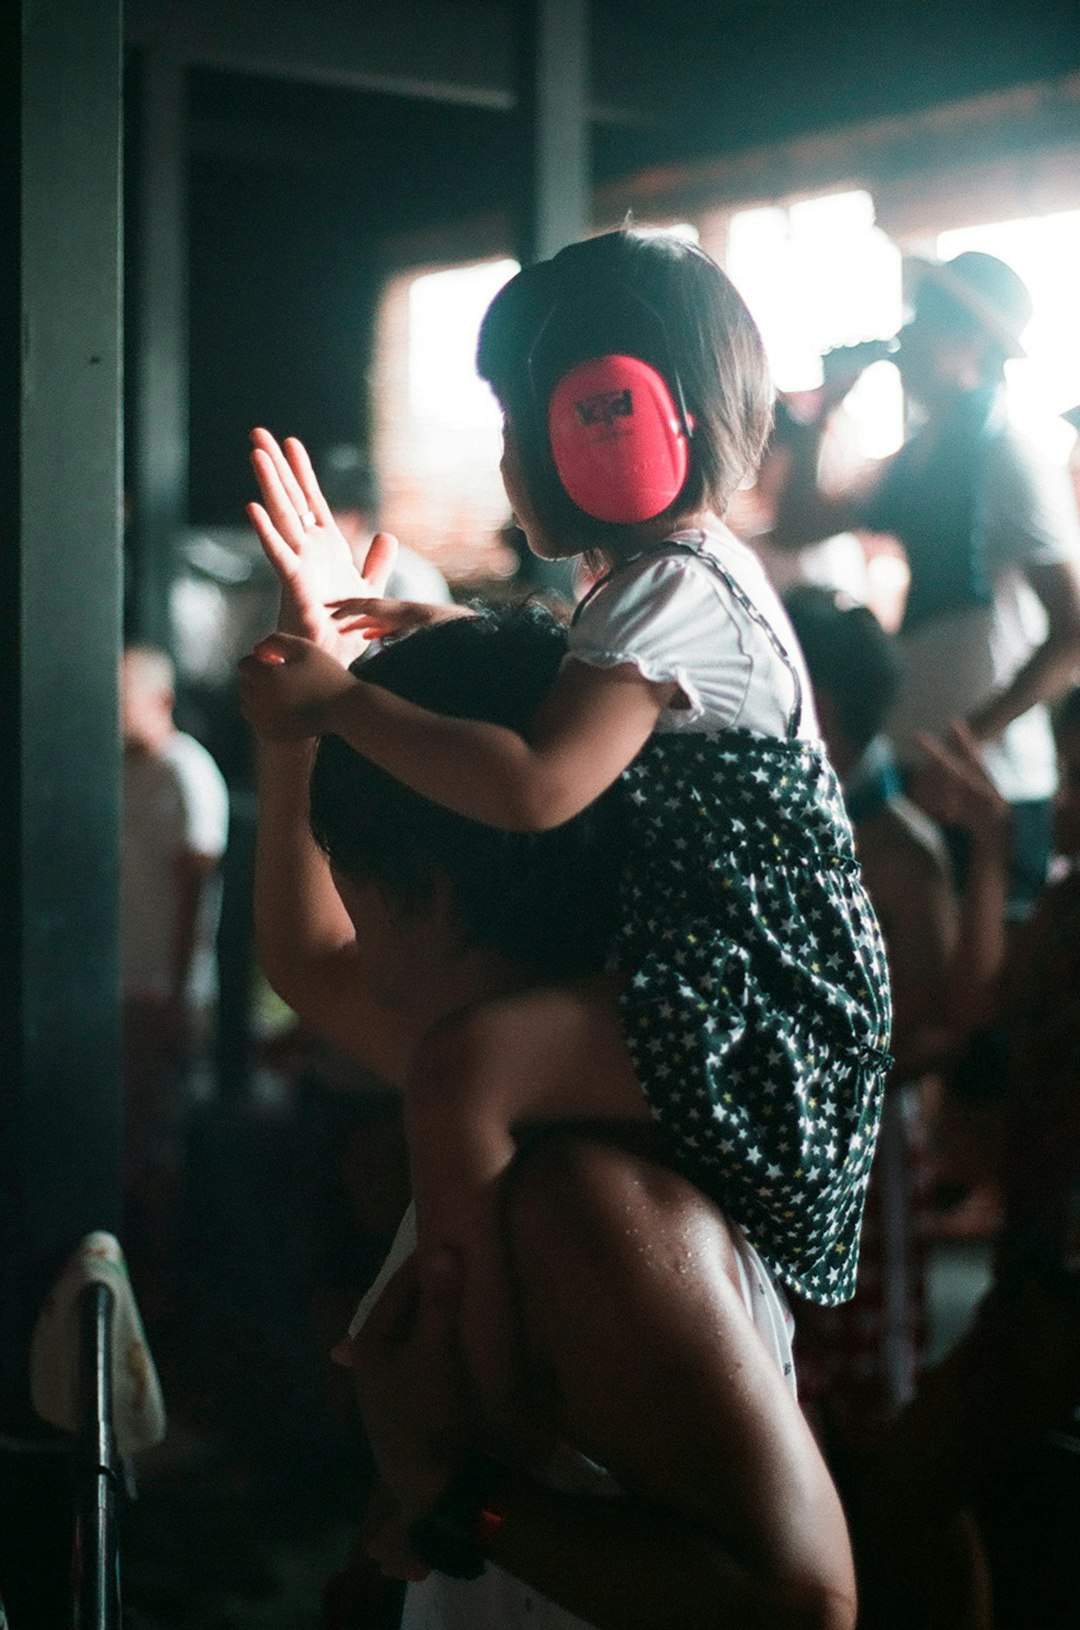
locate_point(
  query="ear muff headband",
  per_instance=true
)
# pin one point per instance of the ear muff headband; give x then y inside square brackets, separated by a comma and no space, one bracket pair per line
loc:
[617,429]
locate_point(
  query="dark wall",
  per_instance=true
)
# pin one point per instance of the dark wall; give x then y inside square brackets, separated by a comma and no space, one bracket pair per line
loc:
[293,192]
[282,291]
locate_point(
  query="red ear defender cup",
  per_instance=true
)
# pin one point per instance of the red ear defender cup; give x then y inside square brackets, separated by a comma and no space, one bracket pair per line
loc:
[617,439]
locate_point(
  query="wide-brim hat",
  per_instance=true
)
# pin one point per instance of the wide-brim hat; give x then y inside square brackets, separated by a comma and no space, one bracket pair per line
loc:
[988,290]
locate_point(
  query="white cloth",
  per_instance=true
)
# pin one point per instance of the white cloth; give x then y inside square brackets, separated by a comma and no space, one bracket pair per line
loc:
[174,802]
[674,618]
[416,578]
[498,1601]
[138,1408]
[951,664]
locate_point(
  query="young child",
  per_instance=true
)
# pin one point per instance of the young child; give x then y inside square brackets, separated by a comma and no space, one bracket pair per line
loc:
[747,1007]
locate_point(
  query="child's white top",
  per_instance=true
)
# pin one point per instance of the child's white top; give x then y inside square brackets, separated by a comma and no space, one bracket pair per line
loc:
[673,616]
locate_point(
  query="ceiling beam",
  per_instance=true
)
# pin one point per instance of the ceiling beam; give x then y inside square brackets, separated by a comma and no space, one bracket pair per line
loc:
[966,133]
[458,51]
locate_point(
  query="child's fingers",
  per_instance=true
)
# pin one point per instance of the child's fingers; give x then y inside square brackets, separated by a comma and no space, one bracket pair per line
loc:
[266,443]
[934,749]
[364,625]
[300,468]
[366,603]
[281,554]
[282,510]
[277,649]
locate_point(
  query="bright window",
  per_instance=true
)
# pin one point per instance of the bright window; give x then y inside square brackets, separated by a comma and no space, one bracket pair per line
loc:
[445,313]
[437,425]
[818,274]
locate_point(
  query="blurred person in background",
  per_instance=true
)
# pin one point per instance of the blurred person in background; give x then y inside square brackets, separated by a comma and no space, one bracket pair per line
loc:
[175,826]
[991,627]
[981,1473]
[857,1363]
[350,485]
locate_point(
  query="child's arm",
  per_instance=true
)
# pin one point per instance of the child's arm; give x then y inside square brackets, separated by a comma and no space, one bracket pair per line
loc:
[588,729]
[306,942]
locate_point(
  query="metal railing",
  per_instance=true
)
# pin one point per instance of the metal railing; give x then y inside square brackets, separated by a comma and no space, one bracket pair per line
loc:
[98,1477]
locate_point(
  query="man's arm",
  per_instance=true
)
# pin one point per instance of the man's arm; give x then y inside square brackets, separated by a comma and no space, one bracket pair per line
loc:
[1053,666]
[306,941]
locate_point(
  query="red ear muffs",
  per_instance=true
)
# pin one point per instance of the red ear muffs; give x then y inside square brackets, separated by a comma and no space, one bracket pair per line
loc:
[617,439]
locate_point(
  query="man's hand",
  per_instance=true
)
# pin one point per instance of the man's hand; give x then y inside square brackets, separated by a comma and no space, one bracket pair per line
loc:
[411,1385]
[952,786]
[288,688]
[302,542]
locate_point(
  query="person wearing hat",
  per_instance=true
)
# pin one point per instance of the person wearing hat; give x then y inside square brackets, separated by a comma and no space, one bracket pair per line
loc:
[991,628]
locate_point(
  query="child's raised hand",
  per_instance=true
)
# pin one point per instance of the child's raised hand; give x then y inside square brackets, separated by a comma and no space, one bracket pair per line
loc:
[288,687]
[306,548]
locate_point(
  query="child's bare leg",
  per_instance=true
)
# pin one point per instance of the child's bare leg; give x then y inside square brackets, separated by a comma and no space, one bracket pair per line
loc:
[542,1056]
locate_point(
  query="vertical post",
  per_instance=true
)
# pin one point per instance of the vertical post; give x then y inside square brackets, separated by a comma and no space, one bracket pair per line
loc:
[160,384]
[553,100]
[60,462]
[95,1560]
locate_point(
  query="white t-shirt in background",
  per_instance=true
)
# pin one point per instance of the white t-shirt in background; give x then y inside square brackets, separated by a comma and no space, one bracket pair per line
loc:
[954,662]
[174,803]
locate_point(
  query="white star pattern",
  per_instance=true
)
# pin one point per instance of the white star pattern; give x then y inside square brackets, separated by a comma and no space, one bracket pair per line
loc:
[761,1055]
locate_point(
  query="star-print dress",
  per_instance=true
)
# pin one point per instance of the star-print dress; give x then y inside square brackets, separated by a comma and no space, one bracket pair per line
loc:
[755,996]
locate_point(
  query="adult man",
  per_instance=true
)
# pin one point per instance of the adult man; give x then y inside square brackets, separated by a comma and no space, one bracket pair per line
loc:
[649,1349]
[991,629]
[175,822]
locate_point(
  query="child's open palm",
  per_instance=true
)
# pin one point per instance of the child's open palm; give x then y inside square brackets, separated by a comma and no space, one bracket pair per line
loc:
[307,550]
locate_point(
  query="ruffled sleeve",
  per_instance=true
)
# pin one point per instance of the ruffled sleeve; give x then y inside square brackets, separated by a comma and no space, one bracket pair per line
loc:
[672,617]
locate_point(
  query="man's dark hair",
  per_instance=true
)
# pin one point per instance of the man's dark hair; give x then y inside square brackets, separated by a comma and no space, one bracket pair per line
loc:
[849,655]
[646,296]
[547,899]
